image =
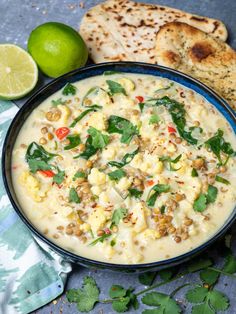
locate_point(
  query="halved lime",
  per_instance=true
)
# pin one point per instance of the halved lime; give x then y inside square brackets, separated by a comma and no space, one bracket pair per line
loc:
[18,72]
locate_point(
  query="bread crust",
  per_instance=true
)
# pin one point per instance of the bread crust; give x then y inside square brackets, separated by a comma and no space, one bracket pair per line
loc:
[119,30]
[189,50]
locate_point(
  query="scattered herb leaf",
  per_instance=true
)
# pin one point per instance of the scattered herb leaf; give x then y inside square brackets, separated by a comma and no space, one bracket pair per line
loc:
[115,88]
[99,140]
[59,176]
[222,180]
[74,141]
[122,126]
[194,173]
[73,196]
[69,89]
[218,145]
[164,302]
[86,297]
[147,278]
[118,215]
[157,189]
[124,161]
[84,113]
[79,174]
[117,174]
[100,239]
[154,119]
[135,192]
[89,151]
[57,102]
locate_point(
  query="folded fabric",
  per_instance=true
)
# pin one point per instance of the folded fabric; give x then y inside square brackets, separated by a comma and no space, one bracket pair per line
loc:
[31,274]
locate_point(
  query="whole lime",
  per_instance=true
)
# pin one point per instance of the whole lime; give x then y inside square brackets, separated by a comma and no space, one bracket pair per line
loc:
[57,48]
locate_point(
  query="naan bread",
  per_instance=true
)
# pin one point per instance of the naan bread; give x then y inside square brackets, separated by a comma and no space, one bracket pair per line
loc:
[189,50]
[118,30]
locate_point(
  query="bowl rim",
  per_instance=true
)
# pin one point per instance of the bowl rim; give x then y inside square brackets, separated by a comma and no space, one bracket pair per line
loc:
[101,264]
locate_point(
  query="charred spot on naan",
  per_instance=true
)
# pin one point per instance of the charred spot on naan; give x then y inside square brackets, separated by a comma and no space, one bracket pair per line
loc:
[200,51]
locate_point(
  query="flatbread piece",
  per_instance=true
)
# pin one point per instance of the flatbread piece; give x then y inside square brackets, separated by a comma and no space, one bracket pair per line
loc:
[189,50]
[119,30]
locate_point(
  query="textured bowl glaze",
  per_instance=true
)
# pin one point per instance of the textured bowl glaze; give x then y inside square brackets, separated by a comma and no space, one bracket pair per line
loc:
[129,67]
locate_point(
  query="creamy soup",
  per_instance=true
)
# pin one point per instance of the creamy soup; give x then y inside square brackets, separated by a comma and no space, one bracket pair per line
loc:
[126,168]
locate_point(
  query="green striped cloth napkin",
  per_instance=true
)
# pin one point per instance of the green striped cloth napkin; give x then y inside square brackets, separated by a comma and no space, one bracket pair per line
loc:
[31,274]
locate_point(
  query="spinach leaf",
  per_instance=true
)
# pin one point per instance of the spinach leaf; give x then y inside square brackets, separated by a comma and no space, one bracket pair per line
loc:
[74,141]
[73,196]
[157,189]
[37,157]
[69,89]
[59,176]
[117,215]
[35,151]
[135,192]
[84,113]
[117,174]
[218,145]
[141,106]
[115,88]
[177,113]
[99,140]
[222,180]
[125,160]
[89,151]
[122,126]
[170,161]
[100,239]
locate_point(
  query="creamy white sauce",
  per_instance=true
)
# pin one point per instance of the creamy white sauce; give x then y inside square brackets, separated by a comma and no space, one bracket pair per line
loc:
[137,240]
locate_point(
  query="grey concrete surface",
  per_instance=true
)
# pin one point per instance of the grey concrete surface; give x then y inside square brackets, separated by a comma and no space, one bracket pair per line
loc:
[18,18]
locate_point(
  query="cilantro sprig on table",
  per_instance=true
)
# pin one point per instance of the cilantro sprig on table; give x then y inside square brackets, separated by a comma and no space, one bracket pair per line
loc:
[201,294]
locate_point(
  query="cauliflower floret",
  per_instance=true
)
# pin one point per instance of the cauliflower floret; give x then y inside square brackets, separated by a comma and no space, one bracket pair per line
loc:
[151,234]
[139,218]
[109,153]
[65,211]
[96,177]
[85,227]
[147,163]
[96,190]
[124,184]
[65,113]
[127,84]
[32,185]
[98,218]
[104,197]
[98,121]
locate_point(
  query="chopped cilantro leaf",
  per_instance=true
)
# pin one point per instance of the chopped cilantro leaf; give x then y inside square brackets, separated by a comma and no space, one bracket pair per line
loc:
[57,102]
[73,196]
[117,174]
[118,215]
[99,140]
[59,176]
[69,89]
[154,119]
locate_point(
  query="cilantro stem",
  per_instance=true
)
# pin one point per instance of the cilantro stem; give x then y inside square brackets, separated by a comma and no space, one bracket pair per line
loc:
[222,272]
[179,288]
[162,283]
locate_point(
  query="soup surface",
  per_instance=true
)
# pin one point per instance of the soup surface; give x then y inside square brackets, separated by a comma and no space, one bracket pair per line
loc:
[126,168]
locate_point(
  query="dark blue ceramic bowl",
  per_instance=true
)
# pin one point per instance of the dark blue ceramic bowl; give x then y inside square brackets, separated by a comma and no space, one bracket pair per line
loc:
[80,74]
